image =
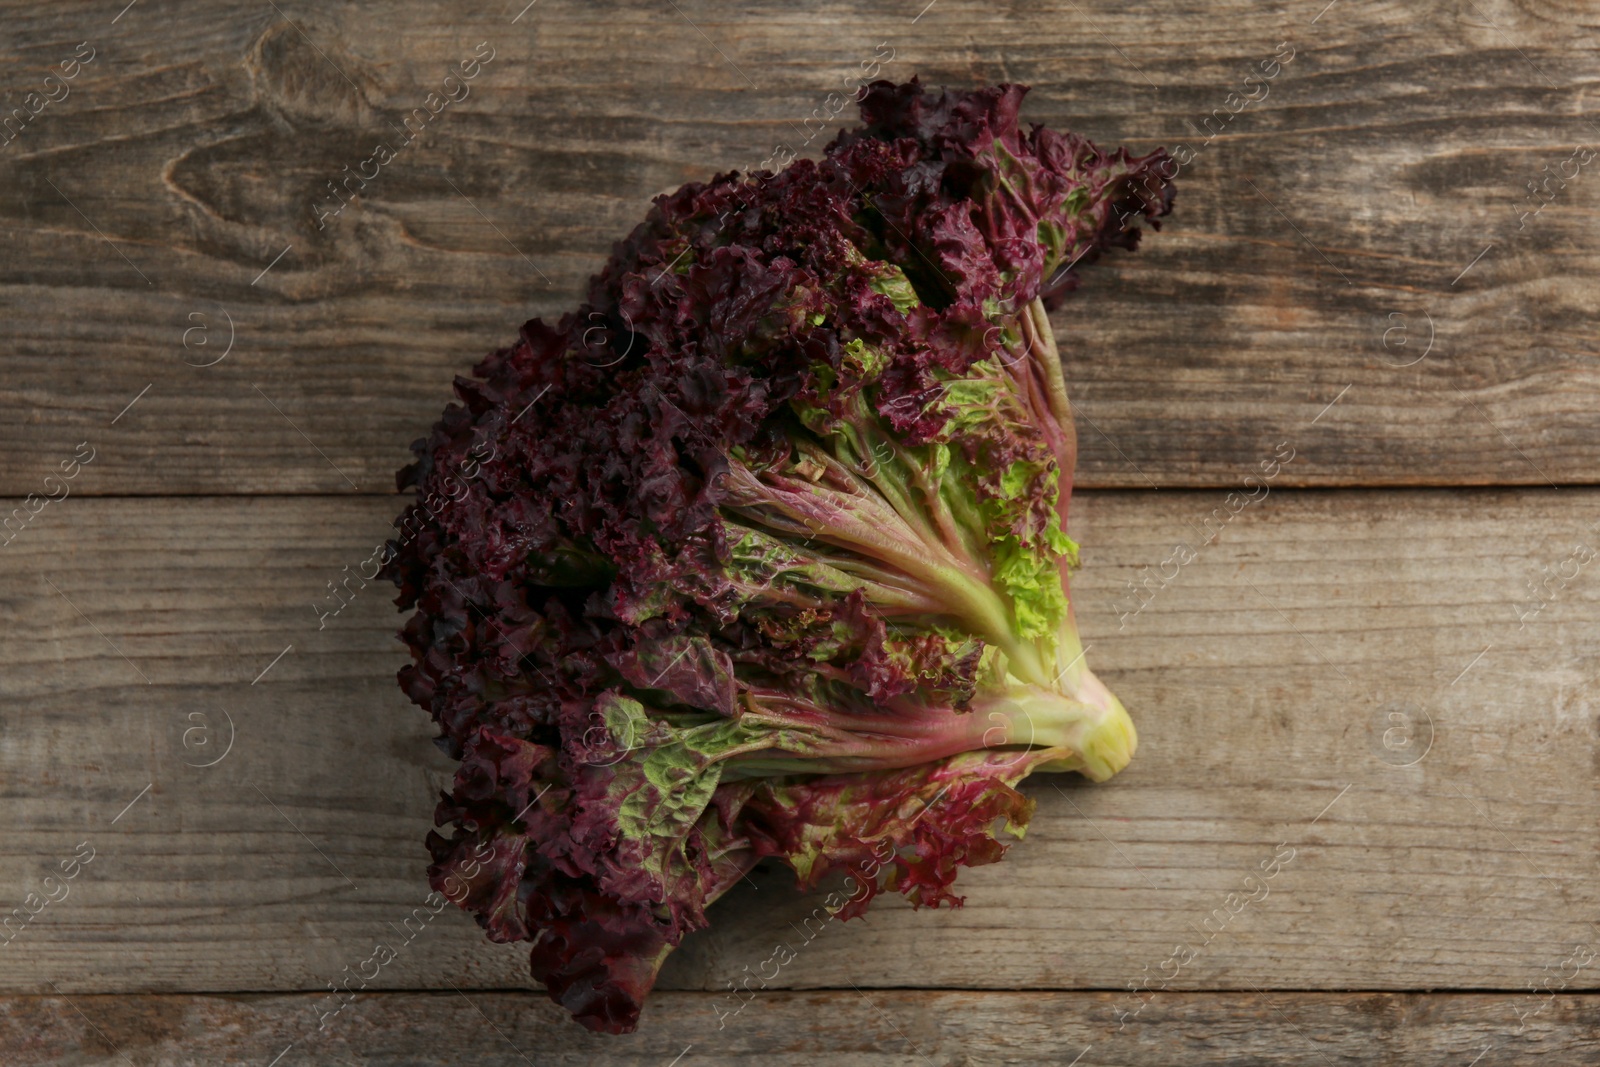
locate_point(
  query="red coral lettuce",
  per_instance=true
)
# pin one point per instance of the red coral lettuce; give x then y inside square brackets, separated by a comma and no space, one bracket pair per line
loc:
[761,551]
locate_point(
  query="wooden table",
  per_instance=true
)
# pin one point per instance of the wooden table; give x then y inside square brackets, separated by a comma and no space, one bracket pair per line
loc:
[1385,669]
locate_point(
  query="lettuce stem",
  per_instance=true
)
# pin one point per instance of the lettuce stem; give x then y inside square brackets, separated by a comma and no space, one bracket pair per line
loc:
[1047,358]
[1091,734]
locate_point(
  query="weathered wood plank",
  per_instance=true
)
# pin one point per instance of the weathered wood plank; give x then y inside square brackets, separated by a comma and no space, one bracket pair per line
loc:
[1263,678]
[892,1028]
[1317,227]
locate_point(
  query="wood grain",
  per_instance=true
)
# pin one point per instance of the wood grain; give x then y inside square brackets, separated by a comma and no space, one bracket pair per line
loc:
[894,1028]
[169,200]
[1263,679]
[1391,692]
